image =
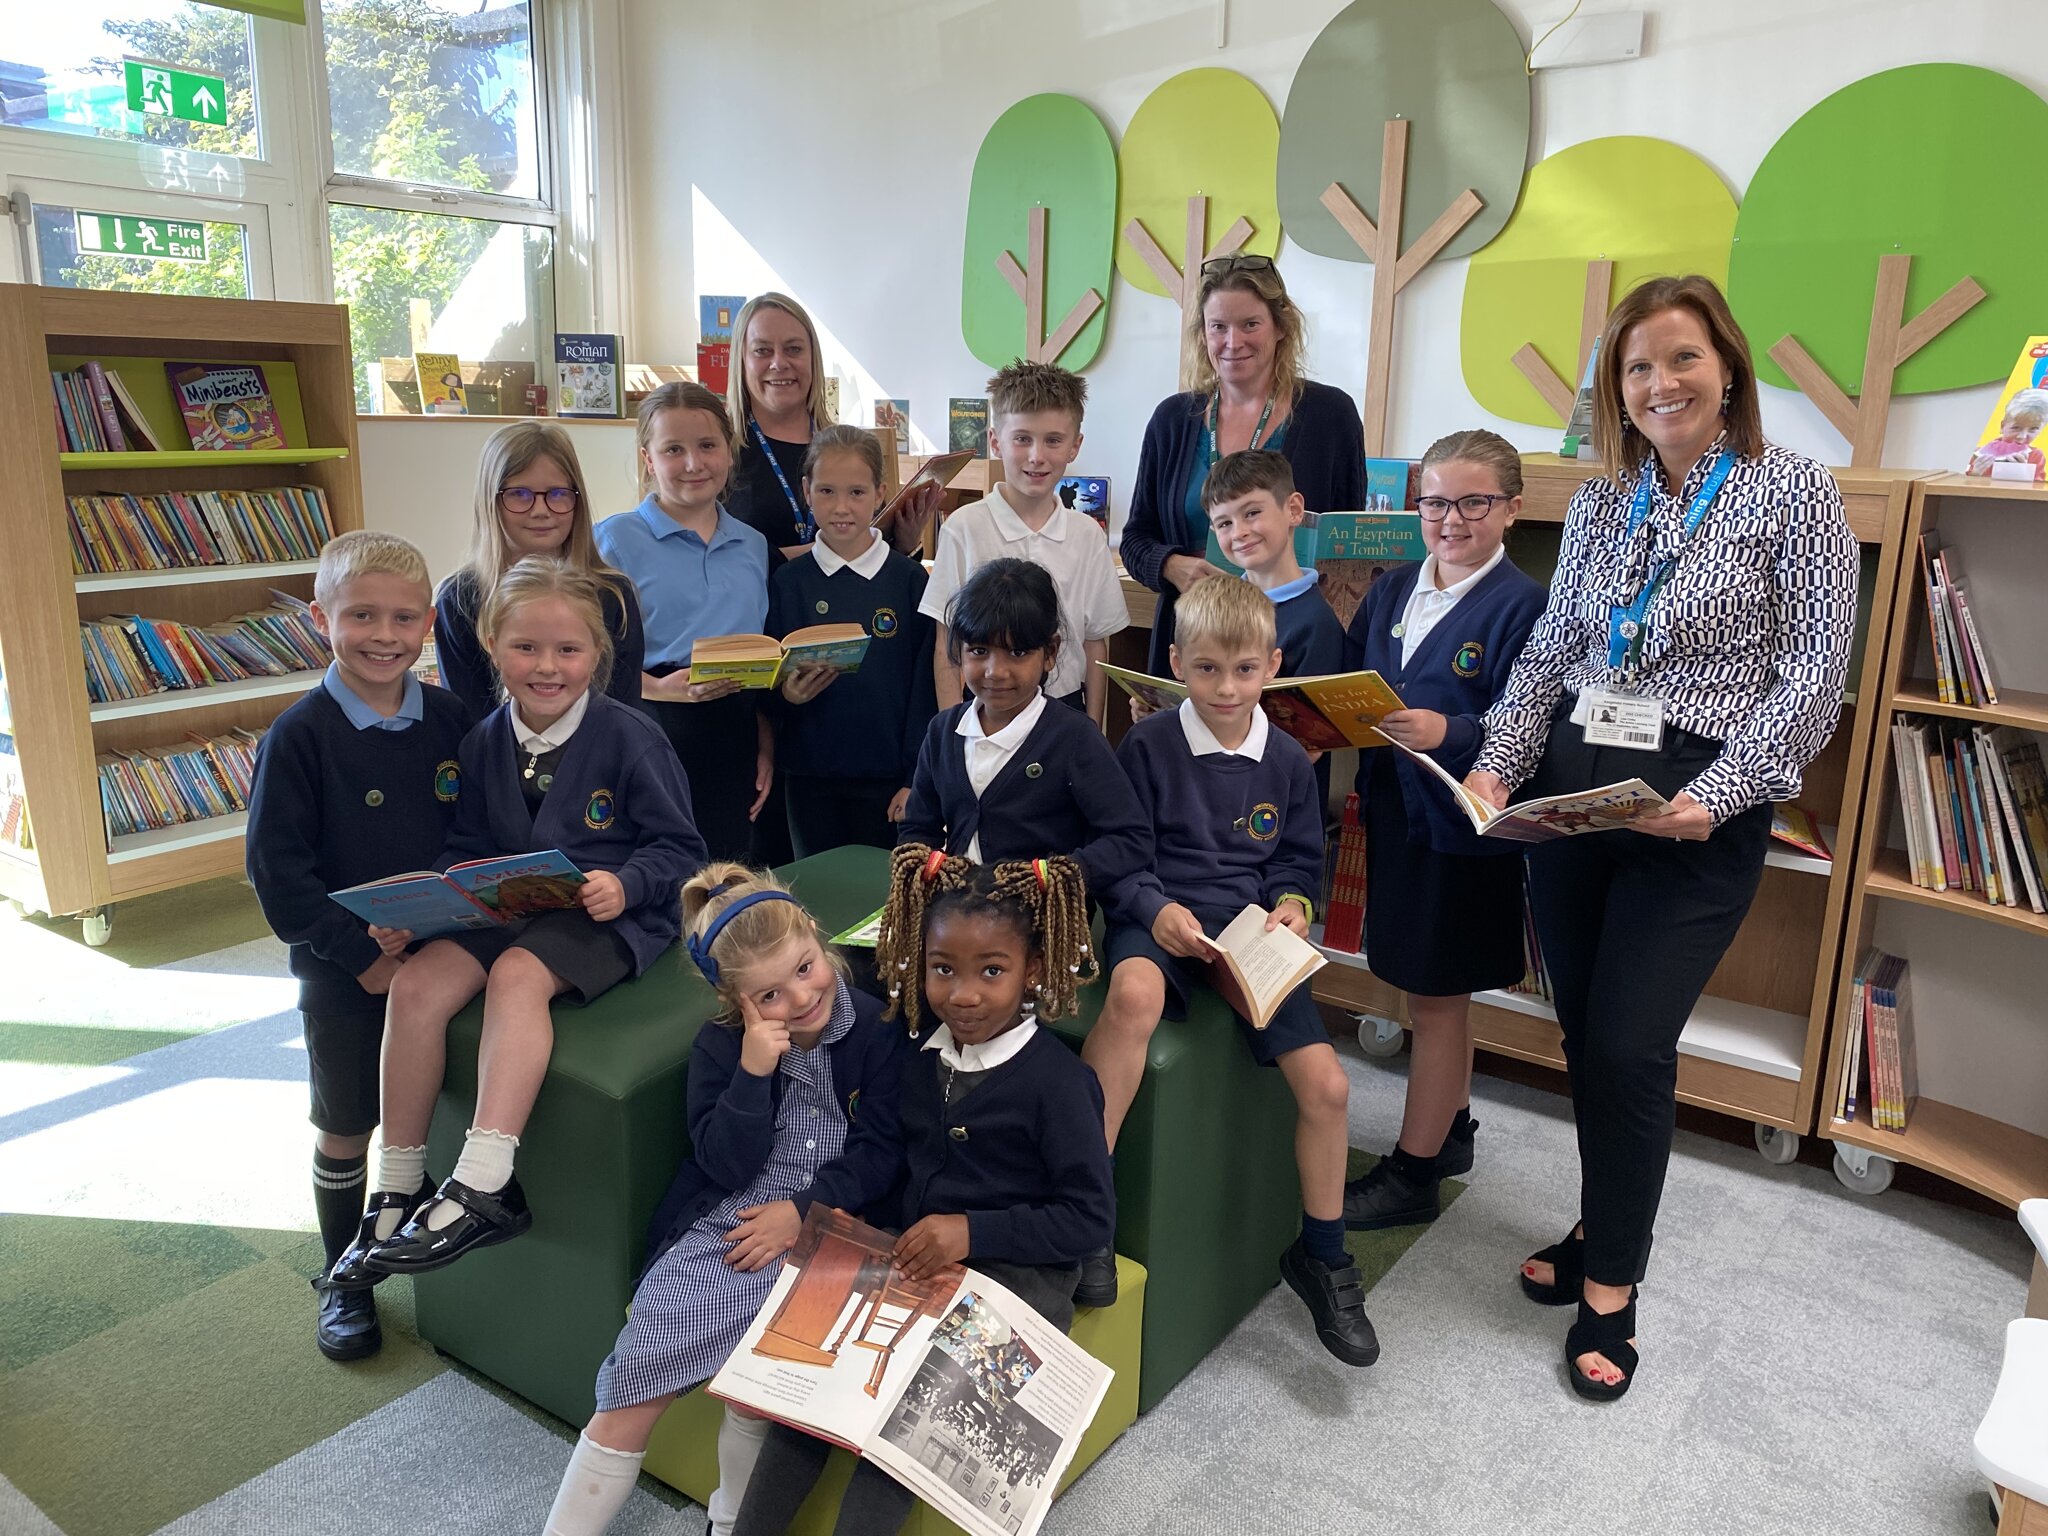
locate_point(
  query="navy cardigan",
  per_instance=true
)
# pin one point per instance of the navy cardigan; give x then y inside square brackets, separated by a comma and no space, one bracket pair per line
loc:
[1459,670]
[1061,792]
[1324,442]
[466,669]
[731,1116]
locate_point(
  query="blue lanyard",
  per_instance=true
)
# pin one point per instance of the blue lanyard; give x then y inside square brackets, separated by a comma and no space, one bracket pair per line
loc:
[806,529]
[1626,625]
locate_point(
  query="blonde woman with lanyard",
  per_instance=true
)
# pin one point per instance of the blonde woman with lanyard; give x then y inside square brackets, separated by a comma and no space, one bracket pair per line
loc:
[1243,354]
[1697,636]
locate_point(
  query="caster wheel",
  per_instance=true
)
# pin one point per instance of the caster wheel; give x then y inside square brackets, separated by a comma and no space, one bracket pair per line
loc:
[1866,1173]
[99,927]
[1777,1145]
[1380,1037]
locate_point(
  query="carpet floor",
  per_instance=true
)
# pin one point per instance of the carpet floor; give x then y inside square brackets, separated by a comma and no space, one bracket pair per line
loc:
[1810,1357]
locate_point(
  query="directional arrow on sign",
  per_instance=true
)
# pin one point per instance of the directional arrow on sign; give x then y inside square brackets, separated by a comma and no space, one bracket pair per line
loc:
[207,103]
[120,239]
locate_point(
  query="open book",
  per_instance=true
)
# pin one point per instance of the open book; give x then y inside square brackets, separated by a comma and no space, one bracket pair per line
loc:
[1552,816]
[865,934]
[951,1385]
[939,469]
[483,893]
[1323,713]
[1255,970]
[758,661]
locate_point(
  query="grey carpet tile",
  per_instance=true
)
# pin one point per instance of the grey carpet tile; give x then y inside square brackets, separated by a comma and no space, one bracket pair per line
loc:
[19,1515]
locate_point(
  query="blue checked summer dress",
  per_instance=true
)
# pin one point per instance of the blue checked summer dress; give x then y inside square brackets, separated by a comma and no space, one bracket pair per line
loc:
[691,1309]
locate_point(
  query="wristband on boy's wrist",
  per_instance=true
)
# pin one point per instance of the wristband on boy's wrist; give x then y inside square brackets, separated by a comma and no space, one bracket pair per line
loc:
[1308,908]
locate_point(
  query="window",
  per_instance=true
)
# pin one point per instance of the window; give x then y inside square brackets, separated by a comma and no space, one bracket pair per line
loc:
[149,253]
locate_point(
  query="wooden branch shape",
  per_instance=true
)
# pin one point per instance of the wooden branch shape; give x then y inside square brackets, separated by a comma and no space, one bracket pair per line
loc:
[1892,340]
[1183,280]
[1393,269]
[1561,394]
[1028,283]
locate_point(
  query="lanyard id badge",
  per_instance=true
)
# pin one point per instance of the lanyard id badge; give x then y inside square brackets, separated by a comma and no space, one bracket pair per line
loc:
[1629,720]
[1627,624]
[806,530]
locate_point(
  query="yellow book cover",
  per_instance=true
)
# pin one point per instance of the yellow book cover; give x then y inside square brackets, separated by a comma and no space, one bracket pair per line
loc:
[2015,436]
[440,380]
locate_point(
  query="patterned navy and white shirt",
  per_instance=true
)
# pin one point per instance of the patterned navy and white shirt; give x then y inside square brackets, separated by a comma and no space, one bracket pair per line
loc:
[1747,643]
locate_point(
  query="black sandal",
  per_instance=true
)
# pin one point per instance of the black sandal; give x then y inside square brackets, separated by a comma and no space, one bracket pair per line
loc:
[486,1219]
[1602,1333]
[351,1272]
[1567,1259]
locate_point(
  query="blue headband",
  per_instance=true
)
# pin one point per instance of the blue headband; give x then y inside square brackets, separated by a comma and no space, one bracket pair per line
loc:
[700,948]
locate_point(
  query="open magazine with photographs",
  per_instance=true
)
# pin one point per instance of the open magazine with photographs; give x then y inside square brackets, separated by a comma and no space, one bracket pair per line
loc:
[951,1385]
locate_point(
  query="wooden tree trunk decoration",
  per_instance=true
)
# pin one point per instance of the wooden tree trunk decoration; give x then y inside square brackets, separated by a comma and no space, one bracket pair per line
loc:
[1183,281]
[1559,394]
[1393,268]
[1029,283]
[1892,340]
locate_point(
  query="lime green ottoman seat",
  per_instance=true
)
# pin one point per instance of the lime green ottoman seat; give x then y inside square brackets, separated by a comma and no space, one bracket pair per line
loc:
[684,1450]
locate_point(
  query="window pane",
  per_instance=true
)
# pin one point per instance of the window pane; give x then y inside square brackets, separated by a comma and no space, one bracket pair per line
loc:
[488,288]
[222,274]
[62,70]
[435,92]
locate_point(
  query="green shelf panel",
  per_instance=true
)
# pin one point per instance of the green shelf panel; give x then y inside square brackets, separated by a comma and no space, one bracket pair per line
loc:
[179,458]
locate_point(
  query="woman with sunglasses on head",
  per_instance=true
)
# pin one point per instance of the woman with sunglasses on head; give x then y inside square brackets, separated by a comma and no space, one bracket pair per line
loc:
[1241,360]
[529,501]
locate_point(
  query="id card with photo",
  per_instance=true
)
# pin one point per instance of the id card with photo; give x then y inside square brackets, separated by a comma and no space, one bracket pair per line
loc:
[1620,720]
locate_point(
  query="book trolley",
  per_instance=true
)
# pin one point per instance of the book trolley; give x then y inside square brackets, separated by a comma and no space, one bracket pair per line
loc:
[56,732]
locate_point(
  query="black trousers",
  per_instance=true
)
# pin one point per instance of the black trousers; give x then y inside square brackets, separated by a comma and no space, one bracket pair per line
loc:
[1631,928]
[718,744]
[827,813]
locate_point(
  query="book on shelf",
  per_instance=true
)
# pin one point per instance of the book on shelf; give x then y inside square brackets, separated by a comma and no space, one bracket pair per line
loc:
[1794,826]
[226,406]
[128,656]
[1344,887]
[1324,713]
[1255,968]
[967,425]
[949,1384]
[1880,1044]
[714,365]
[15,831]
[1535,980]
[481,893]
[715,315]
[96,414]
[587,381]
[173,530]
[144,789]
[438,376]
[1086,494]
[1605,809]
[139,432]
[1578,427]
[1962,667]
[1391,485]
[2017,432]
[759,661]
[1973,800]
[894,416]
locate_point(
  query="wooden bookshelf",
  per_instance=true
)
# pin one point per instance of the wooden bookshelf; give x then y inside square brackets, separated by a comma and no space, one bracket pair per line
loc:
[1989,1048]
[304,349]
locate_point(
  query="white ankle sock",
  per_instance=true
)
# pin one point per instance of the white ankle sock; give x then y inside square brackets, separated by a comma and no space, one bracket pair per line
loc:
[739,1446]
[485,1164]
[399,1170]
[594,1488]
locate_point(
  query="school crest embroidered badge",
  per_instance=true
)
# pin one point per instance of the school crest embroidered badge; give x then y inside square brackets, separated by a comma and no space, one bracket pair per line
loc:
[447,780]
[602,810]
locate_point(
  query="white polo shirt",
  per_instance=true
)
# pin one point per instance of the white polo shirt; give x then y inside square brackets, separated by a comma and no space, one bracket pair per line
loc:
[1071,546]
[1428,604]
[986,754]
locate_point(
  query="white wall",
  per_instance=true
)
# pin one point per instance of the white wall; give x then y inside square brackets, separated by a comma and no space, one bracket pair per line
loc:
[837,138]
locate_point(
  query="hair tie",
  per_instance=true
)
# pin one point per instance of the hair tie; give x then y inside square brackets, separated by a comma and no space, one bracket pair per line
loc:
[934,862]
[700,947]
[1038,867]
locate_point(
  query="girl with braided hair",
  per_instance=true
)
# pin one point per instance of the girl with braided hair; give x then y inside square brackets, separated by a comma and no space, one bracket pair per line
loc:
[1001,1123]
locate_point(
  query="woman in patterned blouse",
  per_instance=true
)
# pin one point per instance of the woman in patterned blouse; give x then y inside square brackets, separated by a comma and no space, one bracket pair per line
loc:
[1697,637]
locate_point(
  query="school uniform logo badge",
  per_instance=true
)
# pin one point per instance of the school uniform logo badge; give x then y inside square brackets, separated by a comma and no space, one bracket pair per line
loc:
[884,624]
[1466,662]
[447,780]
[602,810]
[1264,821]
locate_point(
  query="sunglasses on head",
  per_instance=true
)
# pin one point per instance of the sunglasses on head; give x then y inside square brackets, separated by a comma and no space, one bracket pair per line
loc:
[1220,265]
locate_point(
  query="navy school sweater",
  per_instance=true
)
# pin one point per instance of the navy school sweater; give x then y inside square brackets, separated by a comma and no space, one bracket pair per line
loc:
[1227,831]
[1061,792]
[732,1127]
[1459,670]
[1020,1155]
[1311,639]
[868,725]
[619,803]
[333,807]
[466,669]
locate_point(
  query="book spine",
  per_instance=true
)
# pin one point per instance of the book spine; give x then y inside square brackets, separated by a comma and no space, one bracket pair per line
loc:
[1944,817]
[1989,813]
[103,402]
[1986,684]
[1964,770]
[2001,776]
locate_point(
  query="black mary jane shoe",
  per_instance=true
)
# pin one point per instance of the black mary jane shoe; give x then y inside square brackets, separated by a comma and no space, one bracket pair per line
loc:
[1602,1333]
[351,1272]
[486,1218]
[1567,1259]
[1098,1280]
[1396,1191]
[1336,1300]
[348,1329]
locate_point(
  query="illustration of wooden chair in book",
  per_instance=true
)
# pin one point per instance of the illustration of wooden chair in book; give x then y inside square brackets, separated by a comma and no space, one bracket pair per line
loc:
[892,1308]
[802,1326]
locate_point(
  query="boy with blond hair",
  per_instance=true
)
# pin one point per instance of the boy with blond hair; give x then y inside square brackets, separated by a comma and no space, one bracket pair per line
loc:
[355,782]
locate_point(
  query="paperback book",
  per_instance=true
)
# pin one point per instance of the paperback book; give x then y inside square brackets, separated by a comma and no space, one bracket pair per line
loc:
[865,934]
[171,530]
[1795,827]
[1086,494]
[715,315]
[940,469]
[1344,885]
[1962,666]
[1974,802]
[1578,430]
[146,788]
[587,381]
[226,406]
[128,656]
[1324,714]
[439,376]
[482,893]
[1255,969]
[894,416]
[967,425]
[1605,809]
[759,661]
[2015,441]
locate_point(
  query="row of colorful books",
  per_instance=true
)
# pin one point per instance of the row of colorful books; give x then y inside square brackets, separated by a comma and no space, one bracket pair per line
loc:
[194,780]
[225,407]
[1975,804]
[1343,891]
[1962,667]
[1879,1069]
[130,657]
[169,530]
[96,414]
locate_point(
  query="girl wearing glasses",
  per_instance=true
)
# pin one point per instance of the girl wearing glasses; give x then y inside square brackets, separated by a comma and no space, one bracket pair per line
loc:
[1443,906]
[529,501]
[1241,363]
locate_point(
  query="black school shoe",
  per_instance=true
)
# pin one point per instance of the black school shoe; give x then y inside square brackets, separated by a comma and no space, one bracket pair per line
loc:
[487,1218]
[351,1272]
[1098,1280]
[1336,1300]
[1396,1191]
[1454,1157]
[348,1329]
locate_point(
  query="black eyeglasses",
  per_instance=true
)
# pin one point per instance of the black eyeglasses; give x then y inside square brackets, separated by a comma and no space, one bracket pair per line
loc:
[1218,265]
[518,500]
[1473,509]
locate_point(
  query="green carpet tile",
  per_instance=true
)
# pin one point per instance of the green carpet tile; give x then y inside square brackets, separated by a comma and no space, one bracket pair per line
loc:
[176,925]
[78,1045]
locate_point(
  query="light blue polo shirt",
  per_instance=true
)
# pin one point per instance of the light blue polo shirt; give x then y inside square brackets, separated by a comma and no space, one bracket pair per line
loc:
[689,590]
[412,708]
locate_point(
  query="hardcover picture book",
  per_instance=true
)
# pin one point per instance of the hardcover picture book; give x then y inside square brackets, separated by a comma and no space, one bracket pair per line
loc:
[2014,440]
[1384,538]
[1391,485]
[439,375]
[483,893]
[759,661]
[226,406]
[950,1384]
[894,416]
[1087,494]
[1552,816]
[967,425]
[939,469]
[715,315]
[714,365]
[587,374]
[1324,714]
[1255,970]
